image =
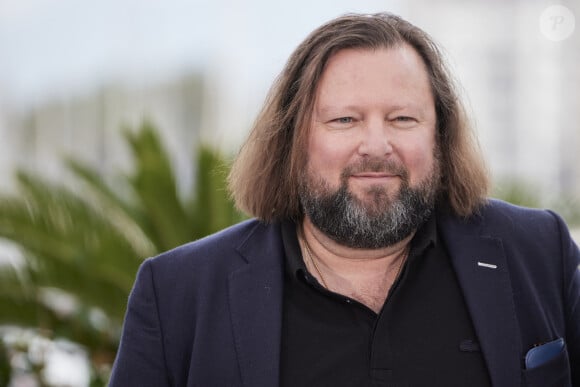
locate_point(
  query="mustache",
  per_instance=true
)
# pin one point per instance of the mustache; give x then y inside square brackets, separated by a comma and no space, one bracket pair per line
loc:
[375,165]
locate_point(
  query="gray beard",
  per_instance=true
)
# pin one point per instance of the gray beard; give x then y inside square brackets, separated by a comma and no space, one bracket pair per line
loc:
[382,223]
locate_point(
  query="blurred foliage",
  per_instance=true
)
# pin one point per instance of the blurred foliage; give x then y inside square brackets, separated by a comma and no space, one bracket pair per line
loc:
[569,208]
[5,368]
[519,192]
[82,246]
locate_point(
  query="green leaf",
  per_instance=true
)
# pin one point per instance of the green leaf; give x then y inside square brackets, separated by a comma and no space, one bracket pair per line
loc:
[85,239]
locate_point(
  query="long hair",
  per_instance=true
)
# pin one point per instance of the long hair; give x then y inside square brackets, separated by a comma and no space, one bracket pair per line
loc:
[265,176]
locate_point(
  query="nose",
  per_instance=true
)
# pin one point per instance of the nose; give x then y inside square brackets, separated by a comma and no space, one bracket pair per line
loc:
[376,139]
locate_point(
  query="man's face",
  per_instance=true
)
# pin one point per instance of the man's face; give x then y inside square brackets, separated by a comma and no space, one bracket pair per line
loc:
[372,173]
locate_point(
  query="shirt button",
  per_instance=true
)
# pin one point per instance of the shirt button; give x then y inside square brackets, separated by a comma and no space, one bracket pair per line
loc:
[348,301]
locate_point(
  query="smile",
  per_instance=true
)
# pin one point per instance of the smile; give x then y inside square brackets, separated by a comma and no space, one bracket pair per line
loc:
[374,175]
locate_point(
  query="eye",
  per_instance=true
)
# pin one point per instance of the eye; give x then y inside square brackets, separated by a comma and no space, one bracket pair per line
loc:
[344,120]
[404,122]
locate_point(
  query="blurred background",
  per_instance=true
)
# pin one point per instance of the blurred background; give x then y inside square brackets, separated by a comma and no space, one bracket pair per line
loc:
[118,119]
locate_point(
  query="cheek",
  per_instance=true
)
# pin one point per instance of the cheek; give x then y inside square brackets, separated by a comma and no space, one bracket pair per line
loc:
[420,161]
[328,157]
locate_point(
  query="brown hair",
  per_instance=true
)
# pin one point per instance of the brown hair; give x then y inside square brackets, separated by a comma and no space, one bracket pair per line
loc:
[265,176]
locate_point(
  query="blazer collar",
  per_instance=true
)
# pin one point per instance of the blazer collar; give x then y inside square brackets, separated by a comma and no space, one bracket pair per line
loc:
[481,267]
[255,293]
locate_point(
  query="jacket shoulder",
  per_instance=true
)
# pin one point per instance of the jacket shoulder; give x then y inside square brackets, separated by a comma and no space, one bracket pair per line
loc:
[221,252]
[499,218]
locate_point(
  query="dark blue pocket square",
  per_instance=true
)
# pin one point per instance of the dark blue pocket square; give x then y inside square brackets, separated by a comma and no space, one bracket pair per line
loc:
[541,354]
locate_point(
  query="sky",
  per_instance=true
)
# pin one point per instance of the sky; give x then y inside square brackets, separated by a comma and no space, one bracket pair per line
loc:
[54,48]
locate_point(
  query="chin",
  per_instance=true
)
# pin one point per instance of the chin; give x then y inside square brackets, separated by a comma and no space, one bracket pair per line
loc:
[374,192]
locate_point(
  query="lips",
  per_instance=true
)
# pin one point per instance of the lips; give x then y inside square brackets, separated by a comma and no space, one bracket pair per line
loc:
[375,170]
[374,175]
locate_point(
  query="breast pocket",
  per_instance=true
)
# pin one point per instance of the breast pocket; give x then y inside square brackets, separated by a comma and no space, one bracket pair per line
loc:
[553,373]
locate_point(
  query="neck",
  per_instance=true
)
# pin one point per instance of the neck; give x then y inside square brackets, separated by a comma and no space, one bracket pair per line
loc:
[363,274]
[328,249]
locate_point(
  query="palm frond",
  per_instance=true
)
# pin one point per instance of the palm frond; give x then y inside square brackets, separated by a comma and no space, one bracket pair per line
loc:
[166,220]
[84,241]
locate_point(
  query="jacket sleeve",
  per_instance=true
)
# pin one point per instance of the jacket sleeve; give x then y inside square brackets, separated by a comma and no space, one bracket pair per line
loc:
[571,291]
[140,360]
[573,301]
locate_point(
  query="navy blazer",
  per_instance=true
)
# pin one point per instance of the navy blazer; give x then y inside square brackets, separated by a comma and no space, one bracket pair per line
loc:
[209,313]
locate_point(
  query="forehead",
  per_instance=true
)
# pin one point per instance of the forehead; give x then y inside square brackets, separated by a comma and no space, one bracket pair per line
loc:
[383,73]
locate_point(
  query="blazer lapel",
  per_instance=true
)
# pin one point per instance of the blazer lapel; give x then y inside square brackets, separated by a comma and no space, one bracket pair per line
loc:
[255,293]
[482,270]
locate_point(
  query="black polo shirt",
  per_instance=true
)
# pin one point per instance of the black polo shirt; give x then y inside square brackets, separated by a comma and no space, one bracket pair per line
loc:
[423,335]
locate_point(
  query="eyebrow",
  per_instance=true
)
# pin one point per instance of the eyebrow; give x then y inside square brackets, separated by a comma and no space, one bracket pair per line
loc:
[333,109]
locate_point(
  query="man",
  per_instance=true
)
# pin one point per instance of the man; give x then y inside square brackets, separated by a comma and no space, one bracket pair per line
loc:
[375,258]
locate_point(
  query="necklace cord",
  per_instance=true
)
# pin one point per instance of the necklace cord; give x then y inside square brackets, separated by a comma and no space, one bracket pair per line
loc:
[403,259]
